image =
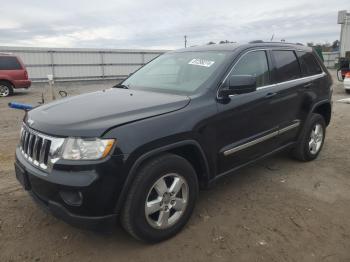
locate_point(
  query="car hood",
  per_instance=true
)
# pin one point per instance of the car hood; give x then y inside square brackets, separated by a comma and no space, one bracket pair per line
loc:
[90,115]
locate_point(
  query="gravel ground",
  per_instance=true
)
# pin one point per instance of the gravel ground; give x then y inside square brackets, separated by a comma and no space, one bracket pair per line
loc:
[276,210]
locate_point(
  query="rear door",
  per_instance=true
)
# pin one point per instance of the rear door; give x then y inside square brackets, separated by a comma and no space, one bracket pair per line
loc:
[288,85]
[11,68]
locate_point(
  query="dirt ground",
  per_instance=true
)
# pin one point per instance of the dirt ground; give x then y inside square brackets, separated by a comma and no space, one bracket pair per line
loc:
[276,210]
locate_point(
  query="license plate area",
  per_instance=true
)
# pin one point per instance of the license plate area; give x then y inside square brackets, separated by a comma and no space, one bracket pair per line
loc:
[22,177]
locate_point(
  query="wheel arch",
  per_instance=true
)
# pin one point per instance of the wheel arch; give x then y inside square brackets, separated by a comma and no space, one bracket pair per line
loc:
[188,149]
[324,108]
[7,81]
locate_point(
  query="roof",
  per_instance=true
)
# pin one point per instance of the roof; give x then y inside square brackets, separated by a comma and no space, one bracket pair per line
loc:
[233,47]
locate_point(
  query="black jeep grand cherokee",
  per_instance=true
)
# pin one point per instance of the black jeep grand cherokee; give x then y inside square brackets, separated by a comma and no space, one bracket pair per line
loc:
[141,150]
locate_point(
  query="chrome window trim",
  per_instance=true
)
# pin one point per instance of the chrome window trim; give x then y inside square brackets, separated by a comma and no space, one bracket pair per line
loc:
[261,139]
[313,77]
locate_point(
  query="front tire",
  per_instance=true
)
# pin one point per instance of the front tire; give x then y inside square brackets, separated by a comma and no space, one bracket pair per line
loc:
[347,91]
[312,138]
[161,199]
[6,89]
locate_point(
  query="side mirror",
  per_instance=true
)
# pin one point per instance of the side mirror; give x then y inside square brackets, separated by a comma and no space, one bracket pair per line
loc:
[239,84]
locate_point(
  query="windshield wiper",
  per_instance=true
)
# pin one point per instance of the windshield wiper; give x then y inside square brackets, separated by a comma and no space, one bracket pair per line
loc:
[121,86]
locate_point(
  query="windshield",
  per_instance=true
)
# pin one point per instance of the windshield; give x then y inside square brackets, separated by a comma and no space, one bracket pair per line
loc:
[177,72]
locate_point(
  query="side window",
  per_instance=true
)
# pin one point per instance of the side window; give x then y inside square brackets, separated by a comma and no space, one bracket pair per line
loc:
[287,65]
[9,63]
[309,64]
[255,64]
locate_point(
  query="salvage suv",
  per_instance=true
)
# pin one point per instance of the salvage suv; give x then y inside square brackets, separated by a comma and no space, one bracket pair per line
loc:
[13,74]
[140,152]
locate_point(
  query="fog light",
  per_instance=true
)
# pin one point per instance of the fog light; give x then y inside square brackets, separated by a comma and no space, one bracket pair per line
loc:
[72,198]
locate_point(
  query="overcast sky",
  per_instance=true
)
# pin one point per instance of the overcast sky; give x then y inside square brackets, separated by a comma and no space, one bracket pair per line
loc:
[160,24]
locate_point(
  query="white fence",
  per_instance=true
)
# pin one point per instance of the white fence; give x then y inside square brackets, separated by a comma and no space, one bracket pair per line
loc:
[330,59]
[69,64]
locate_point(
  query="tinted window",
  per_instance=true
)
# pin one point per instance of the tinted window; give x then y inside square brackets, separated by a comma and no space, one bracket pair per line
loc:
[287,65]
[255,64]
[309,64]
[9,63]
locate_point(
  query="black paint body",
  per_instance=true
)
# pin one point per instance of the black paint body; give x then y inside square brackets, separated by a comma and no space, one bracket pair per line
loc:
[199,126]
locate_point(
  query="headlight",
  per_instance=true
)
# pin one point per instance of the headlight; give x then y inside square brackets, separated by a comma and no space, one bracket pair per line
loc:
[86,149]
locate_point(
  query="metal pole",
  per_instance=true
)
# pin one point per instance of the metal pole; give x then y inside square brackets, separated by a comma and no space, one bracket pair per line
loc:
[102,64]
[185,40]
[51,83]
[52,63]
[143,58]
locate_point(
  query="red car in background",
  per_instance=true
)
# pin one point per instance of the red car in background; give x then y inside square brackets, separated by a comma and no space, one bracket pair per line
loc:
[13,74]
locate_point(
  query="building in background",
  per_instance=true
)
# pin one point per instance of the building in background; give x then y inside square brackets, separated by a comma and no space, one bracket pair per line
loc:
[344,59]
[344,21]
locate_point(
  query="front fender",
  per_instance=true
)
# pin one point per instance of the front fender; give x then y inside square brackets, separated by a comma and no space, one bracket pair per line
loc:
[135,160]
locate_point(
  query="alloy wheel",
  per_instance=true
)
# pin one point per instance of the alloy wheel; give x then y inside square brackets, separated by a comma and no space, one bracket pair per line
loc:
[316,139]
[166,201]
[4,90]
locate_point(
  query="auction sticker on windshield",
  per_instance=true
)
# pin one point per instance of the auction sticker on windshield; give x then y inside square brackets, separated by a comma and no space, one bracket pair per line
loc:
[201,62]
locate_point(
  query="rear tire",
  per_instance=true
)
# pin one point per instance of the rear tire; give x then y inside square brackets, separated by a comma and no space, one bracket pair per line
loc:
[170,182]
[312,138]
[347,91]
[6,89]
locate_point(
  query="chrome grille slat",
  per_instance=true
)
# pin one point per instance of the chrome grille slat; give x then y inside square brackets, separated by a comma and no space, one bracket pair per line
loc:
[36,147]
[42,151]
[22,137]
[30,145]
[26,140]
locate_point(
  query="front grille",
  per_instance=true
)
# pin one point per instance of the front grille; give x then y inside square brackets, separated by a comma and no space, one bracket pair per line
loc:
[35,147]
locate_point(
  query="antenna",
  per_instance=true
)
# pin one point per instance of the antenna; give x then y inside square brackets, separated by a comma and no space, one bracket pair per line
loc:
[273,35]
[185,40]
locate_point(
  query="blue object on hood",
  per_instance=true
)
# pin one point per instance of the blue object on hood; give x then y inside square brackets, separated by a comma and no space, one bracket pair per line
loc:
[20,106]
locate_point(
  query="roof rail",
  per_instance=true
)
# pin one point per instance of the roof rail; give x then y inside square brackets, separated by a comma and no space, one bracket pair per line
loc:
[272,42]
[4,53]
[256,41]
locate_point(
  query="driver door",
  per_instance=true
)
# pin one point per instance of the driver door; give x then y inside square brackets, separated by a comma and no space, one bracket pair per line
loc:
[247,125]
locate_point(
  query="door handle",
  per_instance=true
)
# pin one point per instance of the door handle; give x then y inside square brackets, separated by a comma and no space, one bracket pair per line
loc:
[269,95]
[308,85]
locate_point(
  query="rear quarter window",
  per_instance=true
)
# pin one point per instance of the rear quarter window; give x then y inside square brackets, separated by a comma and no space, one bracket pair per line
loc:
[9,63]
[287,65]
[309,64]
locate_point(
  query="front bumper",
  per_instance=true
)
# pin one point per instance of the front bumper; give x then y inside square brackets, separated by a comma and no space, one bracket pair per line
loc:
[100,223]
[98,184]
